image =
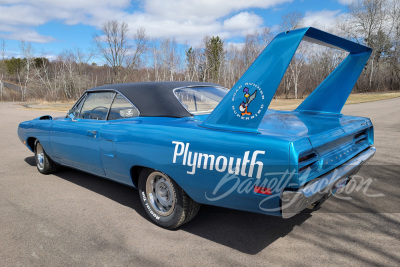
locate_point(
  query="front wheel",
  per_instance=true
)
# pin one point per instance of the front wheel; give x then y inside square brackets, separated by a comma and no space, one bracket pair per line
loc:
[44,163]
[164,201]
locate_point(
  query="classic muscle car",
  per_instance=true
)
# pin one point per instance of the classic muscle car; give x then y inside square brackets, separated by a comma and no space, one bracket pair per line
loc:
[182,144]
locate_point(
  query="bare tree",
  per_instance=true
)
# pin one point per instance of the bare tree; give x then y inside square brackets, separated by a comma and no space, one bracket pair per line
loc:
[167,59]
[134,57]
[2,68]
[43,74]
[27,52]
[295,67]
[394,8]
[251,49]
[291,21]
[82,58]
[367,19]
[112,44]
[233,65]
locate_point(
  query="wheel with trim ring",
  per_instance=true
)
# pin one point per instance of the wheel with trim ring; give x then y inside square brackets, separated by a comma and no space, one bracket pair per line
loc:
[44,163]
[164,201]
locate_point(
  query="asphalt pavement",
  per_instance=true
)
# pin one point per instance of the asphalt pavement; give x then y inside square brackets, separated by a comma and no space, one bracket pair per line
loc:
[75,219]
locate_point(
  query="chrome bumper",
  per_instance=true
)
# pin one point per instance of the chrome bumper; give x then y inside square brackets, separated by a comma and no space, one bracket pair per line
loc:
[295,201]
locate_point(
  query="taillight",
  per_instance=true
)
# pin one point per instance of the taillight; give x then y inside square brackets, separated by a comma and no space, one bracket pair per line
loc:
[308,160]
[360,137]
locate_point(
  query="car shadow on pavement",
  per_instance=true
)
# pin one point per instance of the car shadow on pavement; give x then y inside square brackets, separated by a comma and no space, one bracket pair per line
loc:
[117,192]
[246,232]
[243,231]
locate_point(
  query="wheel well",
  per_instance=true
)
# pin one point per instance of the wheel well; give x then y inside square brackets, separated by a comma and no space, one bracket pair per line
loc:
[31,143]
[135,172]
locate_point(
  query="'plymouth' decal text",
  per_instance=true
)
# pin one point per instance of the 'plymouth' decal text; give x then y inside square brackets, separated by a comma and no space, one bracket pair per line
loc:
[234,165]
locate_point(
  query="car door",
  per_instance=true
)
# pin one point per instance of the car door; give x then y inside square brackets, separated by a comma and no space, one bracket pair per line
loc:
[122,116]
[75,139]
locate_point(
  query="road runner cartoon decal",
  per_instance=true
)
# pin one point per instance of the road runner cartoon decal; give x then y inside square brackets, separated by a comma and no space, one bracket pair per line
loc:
[253,95]
[244,105]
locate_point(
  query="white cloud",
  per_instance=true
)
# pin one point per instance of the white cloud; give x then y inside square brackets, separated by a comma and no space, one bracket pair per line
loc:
[324,19]
[234,45]
[275,28]
[18,18]
[242,22]
[191,21]
[203,9]
[28,35]
[345,2]
[185,20]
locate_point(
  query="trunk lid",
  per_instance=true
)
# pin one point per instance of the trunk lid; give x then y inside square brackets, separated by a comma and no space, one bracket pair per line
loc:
[332,139]
[317,127]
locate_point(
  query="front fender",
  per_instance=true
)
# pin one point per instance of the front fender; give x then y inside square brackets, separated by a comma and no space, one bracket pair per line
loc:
[38,128]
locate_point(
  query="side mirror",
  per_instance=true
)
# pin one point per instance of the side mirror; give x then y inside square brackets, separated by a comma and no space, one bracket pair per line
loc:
[71,115]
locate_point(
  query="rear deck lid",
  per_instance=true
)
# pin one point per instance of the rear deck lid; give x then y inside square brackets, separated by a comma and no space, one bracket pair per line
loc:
[320,128]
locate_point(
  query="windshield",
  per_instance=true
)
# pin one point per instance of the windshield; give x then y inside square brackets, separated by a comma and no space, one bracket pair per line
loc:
[200,100]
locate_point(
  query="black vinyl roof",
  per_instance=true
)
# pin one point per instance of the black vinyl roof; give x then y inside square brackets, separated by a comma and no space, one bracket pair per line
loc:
[154,99]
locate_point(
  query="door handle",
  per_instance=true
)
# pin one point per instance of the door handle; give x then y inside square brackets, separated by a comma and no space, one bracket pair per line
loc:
[92,133]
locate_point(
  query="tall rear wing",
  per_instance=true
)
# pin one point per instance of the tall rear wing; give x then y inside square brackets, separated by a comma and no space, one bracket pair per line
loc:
[244,106]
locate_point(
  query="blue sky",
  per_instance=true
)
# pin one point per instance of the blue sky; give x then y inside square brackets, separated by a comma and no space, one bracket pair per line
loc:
[52,26]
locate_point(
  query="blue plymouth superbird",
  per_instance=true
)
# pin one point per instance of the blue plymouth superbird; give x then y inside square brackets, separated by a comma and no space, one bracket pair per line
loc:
[182,144]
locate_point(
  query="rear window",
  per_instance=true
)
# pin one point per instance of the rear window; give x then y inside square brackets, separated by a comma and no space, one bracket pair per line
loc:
[200,100]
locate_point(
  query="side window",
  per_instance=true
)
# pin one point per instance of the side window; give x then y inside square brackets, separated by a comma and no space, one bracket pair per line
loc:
[96,106]
[121,109]
[201,99]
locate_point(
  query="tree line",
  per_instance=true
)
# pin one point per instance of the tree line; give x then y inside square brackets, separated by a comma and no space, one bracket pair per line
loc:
[138,58]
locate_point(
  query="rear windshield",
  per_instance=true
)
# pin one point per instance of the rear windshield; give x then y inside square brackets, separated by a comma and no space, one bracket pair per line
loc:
[200,100]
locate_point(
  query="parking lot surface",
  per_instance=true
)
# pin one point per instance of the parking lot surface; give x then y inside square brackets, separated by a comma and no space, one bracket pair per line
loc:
[73,218]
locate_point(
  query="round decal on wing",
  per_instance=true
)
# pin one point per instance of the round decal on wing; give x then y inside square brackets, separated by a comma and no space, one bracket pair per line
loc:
[246,101]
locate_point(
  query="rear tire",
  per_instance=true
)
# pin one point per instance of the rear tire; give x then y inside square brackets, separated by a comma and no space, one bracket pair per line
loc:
[44,163]
[164,200]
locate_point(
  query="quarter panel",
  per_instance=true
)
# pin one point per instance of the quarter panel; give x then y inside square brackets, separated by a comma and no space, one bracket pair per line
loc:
[149,142]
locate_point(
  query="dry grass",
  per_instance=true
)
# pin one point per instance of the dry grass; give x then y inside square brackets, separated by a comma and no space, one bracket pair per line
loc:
[278,104]
[61,106]
[361,98]
[285,104]
[290,104]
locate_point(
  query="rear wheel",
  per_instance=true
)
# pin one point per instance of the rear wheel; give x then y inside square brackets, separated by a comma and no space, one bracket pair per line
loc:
[44,164]
[164,201]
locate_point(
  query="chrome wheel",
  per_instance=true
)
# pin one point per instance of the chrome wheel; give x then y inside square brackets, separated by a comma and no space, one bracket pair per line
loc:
[39,156]
[44,163]
[161,193]
[164,200]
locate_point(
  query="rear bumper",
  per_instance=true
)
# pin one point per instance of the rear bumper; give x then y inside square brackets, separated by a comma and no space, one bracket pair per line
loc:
[292,202]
